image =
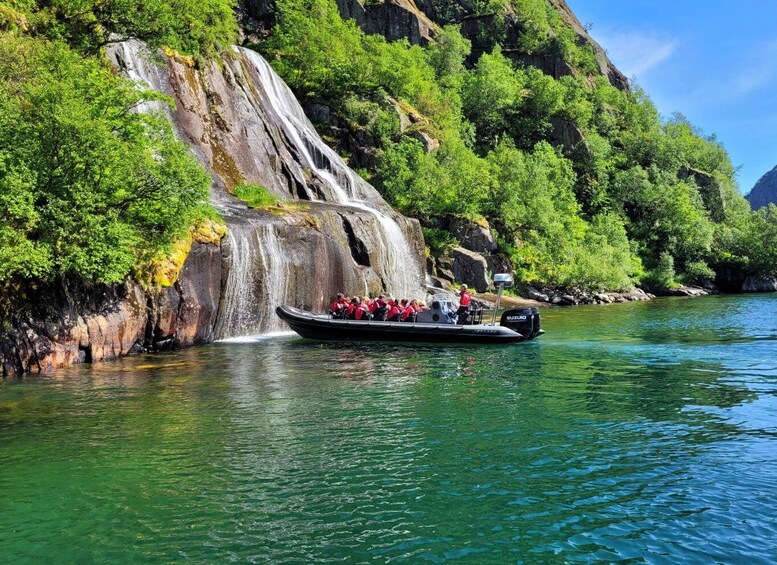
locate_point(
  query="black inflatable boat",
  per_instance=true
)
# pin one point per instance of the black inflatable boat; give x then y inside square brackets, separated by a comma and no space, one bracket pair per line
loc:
[434,325]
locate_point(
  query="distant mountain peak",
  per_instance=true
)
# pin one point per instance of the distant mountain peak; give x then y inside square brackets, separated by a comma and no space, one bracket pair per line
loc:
[765,191]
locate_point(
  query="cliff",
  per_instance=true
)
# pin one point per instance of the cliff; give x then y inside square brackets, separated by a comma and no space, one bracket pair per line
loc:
[765,191]
[501,127]
[332,231]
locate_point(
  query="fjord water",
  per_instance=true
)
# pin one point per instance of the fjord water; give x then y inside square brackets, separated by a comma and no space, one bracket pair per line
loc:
[636,432]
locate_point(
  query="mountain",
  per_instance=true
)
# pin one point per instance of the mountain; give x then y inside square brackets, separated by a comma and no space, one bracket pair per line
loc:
[765,191]
[173,174]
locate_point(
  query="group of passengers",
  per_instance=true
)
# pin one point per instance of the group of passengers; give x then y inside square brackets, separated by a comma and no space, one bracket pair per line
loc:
[384,309]
[381,309]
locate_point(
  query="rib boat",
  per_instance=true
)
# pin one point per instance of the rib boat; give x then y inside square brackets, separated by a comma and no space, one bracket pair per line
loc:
[437,324]
[516,325]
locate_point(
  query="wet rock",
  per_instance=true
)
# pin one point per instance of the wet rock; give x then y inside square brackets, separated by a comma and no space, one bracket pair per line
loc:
[199,286]
[431,265]
[535,294]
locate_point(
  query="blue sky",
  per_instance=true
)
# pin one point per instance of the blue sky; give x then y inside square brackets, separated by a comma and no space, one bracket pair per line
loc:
[714,61]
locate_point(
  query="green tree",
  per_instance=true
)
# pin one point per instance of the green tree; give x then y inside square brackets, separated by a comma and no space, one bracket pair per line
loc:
[90,187]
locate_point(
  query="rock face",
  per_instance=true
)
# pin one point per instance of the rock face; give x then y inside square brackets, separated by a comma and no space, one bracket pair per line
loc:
[710,189]
[418,21]
[471,268]
[394,19]
[765,191]
[473,236]
[616,78]
[334,234]
[759,284]
[69,322]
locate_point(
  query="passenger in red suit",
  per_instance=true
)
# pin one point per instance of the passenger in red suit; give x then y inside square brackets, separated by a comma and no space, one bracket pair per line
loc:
[362,311]
[465,298]
[393,312]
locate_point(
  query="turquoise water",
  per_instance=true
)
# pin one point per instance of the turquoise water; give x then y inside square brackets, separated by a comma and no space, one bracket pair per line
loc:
[631,433]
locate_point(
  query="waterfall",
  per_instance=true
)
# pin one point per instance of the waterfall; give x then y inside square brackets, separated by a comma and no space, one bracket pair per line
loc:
[397,258]
[256,283]
[261,264]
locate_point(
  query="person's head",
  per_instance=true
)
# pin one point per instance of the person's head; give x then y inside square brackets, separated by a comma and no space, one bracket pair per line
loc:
[403,302]
[339,295]
[382,297]
[463,288]
[355,299]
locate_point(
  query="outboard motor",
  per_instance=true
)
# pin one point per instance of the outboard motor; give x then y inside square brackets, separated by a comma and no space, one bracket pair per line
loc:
[521,320]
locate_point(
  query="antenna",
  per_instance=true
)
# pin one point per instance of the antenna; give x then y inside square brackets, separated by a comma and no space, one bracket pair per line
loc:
[502,281]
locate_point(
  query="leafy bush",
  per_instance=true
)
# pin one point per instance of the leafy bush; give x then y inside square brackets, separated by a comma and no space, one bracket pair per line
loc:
[438,241]
[255,195]
[697,272]
[662,275]
[90,188]
[200,27]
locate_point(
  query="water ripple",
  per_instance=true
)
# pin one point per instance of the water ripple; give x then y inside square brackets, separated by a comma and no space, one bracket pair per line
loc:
[615,439]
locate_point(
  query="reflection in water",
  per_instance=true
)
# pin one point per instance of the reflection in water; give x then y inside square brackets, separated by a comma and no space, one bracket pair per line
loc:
[632,432]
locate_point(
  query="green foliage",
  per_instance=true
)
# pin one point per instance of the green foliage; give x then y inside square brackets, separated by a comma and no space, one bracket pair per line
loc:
[89,187]
[438,241]
[534,195]
[662,275]
[190,26]
[697,272]
[546,33]
[501,100]
[451,181]
[255,195]
[446,55]
[637,190]
[752,244]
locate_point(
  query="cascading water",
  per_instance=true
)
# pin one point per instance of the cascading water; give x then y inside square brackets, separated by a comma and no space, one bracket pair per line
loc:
[256,282]
[262,270]
[398,261]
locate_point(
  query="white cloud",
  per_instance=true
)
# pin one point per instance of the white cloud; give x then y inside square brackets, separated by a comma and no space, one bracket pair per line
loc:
[636,52]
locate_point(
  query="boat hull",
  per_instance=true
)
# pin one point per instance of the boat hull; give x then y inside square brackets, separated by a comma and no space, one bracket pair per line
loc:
[322,327]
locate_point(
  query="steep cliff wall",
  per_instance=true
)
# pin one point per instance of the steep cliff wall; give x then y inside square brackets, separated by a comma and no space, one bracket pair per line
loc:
[334,231]
[765,191]
[66,322]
